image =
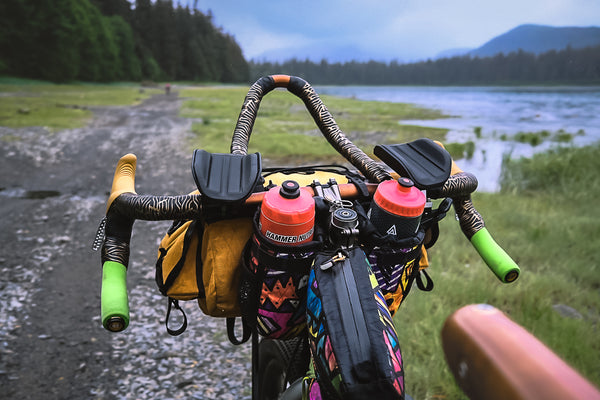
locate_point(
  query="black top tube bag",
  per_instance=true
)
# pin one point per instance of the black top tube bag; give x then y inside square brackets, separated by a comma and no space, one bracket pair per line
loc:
[353,341]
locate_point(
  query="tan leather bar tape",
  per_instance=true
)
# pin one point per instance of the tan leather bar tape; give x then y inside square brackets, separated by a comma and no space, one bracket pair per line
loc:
[281,80]
[123,179]
[494,358]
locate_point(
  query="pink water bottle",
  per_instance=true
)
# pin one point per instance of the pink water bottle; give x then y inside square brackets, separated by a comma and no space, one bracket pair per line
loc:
[287,214]
[397,208]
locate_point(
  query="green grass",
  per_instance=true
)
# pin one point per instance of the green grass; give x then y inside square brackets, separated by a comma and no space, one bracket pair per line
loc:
[32,103]
[461,150]
[285,130]
[537,138]
[546,219]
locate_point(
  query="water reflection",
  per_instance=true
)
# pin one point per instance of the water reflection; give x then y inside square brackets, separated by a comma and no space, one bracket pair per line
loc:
[500,113]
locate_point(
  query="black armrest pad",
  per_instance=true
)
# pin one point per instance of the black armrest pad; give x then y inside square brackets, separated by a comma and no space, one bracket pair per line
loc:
[226,177]
[426,163]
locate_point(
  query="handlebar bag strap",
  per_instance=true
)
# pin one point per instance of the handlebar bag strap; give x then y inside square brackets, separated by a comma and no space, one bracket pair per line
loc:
[353,341]
[178,272]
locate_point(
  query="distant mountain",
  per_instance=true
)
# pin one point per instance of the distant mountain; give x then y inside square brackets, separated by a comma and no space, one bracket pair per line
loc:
[316,53]
[452,52]
[539,39]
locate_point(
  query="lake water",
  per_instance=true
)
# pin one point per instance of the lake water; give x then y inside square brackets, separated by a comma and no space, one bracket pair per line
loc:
[500,112]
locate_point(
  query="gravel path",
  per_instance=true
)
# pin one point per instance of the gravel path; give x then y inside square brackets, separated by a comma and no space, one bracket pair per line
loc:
[53,191]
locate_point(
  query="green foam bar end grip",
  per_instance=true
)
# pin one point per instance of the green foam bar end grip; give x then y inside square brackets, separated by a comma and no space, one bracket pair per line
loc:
[114,301]
[495,257]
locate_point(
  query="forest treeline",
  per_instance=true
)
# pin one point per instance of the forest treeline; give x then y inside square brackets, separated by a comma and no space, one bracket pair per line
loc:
[121,40]
[113,40]
[568,66]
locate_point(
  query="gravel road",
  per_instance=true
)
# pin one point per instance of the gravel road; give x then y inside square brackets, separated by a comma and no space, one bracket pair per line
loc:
[53,191]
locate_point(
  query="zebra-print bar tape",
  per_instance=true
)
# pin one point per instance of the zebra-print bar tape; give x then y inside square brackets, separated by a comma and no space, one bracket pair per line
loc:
[320,114]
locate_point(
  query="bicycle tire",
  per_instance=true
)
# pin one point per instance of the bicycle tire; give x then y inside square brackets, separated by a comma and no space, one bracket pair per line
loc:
[280,362]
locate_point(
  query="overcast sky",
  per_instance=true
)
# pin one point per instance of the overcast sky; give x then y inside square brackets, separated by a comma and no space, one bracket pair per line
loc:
[384,30]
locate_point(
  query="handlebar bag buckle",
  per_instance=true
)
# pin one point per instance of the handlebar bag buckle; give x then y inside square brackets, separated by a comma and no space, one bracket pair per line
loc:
[426,163]
[229,178]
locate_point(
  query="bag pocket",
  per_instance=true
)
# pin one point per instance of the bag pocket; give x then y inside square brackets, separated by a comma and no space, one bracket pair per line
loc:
[395,269]
[274,284]
[222,245]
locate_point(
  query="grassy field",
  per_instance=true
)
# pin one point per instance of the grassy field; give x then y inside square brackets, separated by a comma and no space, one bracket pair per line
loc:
[285,130]
[546,219]
[32,103]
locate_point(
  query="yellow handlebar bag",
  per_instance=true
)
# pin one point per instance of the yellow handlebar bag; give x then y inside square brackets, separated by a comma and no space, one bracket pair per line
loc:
[200,261]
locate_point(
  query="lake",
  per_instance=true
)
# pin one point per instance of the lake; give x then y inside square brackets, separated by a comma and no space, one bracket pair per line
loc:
[501,113]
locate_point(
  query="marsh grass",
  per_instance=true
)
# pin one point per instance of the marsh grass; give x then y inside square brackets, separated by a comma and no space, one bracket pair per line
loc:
[537,138]
[461,150]
[284,129]
[31,103]
[545,218]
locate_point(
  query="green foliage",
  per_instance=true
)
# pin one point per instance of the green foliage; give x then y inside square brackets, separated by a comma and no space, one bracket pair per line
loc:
[537,138]
[566,66]
[130,63]
[566,171]
[102,41]
[461,150]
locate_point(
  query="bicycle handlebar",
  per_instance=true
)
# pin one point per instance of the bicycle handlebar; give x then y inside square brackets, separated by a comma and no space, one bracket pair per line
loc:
[472,224]
[115,250]
[320,114]
[125,205]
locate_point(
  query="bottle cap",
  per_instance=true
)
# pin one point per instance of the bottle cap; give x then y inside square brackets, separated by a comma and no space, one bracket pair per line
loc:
[290,190]
[400,197]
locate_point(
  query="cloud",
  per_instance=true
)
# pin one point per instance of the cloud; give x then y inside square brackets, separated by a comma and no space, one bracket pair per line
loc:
[398,29]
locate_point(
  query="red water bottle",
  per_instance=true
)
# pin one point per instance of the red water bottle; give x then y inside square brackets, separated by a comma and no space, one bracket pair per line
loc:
[397,208]
[287,214]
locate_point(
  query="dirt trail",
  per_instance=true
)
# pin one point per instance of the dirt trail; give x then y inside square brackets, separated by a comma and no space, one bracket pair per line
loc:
[53,189]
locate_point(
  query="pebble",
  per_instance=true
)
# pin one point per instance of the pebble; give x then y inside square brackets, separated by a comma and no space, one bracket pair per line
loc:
[567,311]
